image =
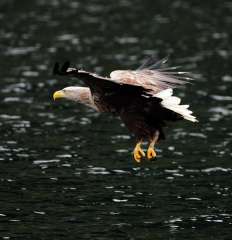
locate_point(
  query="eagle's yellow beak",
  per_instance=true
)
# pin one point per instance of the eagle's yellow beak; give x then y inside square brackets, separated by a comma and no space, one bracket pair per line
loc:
[58,94]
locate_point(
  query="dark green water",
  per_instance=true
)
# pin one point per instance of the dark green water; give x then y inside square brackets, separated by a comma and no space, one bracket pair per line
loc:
[66,172]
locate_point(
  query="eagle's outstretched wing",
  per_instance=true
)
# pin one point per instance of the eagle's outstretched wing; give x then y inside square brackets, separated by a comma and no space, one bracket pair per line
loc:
[116,95]
[152,75]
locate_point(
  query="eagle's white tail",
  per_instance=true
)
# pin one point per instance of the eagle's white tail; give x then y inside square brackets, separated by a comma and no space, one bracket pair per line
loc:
[173,103]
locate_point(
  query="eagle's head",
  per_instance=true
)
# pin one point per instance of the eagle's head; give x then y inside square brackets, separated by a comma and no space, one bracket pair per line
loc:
[77,94]
[71,93]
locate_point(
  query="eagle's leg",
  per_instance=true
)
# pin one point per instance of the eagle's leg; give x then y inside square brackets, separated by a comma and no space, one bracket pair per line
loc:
[151,151]
[138,151]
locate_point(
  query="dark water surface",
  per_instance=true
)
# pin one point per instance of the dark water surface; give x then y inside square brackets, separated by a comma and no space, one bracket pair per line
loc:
[66,172]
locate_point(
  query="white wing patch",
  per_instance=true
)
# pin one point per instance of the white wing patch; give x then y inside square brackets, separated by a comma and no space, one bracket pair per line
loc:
[173,103]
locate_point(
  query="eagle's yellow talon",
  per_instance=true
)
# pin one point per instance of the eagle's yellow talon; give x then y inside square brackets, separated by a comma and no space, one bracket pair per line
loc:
[137,157]
[138,153]
[151,153]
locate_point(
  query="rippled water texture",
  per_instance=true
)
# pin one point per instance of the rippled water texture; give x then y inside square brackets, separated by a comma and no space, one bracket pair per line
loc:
[66,172]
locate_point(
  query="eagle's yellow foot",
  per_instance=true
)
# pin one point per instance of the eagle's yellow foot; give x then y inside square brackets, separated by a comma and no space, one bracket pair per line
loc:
[151,153]
[138,153]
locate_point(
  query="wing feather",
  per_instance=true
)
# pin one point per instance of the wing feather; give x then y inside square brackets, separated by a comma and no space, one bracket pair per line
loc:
[153,75]
[152,63]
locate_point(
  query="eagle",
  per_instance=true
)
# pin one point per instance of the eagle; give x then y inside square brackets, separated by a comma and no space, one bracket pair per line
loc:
[142,98]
